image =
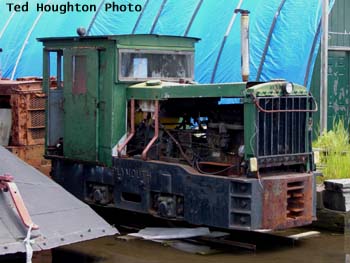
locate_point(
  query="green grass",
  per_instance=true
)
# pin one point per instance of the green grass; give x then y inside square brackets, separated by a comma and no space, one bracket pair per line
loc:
[335,152]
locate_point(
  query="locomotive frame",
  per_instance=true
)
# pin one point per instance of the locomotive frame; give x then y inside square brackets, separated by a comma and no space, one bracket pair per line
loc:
[119,137]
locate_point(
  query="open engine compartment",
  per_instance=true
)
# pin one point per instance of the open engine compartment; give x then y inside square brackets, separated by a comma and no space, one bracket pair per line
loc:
[198,132]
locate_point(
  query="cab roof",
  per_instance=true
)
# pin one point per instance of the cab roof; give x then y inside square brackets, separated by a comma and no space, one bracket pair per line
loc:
[114,37]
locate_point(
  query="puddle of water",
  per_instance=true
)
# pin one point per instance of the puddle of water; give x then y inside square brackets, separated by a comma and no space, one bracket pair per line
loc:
[327,247]
[53,256]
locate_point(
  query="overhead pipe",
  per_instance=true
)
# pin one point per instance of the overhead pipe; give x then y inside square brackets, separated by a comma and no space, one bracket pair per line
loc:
[156,131]
[244,43]
[132,131]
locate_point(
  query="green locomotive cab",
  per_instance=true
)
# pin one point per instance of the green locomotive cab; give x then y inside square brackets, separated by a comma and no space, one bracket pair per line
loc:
[128,127]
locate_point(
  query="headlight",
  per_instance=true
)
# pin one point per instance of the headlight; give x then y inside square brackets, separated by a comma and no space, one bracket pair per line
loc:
[288,88]
[317,158]
[253,164]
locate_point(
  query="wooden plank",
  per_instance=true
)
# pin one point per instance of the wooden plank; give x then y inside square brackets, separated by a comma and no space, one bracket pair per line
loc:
[305,235]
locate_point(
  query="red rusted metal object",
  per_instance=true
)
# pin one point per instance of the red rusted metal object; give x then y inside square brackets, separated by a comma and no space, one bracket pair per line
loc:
[291,196]
[132,132]
[27,101]
[7,184]
[28,115]
[156,131]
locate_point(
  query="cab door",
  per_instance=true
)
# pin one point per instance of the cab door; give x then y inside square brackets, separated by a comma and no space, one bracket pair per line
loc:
[81,98]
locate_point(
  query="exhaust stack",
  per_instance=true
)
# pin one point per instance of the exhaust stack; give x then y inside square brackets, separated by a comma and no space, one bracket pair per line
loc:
[244,43]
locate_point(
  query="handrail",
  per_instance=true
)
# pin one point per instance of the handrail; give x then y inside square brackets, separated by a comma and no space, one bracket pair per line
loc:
[256,101]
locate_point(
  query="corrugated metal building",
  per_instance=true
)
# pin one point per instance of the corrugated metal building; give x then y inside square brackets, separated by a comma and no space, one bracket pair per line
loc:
[339,67]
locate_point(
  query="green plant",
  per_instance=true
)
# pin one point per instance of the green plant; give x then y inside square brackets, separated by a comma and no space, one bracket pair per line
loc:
[335,152]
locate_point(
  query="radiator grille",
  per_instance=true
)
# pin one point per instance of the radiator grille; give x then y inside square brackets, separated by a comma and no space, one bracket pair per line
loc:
[280,132]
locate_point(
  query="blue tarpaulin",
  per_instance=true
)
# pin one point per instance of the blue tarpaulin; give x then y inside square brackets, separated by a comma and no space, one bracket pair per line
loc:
[284,34]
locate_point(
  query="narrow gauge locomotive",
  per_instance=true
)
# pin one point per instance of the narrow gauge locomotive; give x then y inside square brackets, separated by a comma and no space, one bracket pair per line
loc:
[128,128]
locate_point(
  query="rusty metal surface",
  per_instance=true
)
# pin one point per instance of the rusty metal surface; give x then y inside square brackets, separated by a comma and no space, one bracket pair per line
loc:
[27,101]
[28,116]
[8,86]
[62,218]
[291,196]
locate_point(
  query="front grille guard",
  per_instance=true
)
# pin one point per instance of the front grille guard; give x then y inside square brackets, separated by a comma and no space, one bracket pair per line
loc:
[283,125]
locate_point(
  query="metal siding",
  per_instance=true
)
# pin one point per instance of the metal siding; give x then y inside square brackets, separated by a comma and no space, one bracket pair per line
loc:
[340,22]
[338,72]
[338,87]
[337,63]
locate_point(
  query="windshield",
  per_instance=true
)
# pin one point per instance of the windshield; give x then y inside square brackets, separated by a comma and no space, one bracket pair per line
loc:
[146,64]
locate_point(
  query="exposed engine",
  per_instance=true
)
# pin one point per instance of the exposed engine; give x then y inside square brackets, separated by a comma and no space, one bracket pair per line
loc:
[197,132]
